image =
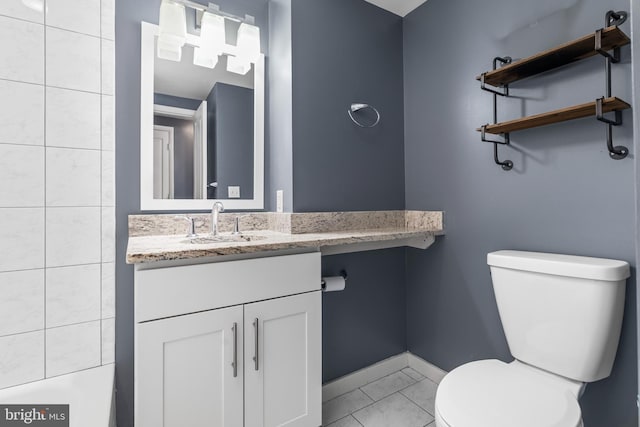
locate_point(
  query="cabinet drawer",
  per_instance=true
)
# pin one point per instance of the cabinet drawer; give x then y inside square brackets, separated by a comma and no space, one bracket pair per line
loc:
[172,291]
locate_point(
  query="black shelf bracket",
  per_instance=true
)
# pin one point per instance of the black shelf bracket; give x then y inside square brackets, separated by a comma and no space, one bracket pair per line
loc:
[619,151]
[506,165]
[611,18]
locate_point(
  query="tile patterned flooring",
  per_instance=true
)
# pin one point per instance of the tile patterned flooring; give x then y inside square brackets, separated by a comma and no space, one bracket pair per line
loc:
[403,399]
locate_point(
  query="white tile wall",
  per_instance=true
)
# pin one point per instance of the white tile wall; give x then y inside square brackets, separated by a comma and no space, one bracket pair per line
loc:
[73,236]
[73,60]
[57,198]
[73,295]
[108,178]
[108,66]
[21,238]
[73,119]
[22,119]
[73,177]
[21,301]
[18,9]
[21,358]
[73,348]
[21,175]
[108,290]
[108,234]
[108,123]
[23,61]
[108,340]
[81,16]
[108,19]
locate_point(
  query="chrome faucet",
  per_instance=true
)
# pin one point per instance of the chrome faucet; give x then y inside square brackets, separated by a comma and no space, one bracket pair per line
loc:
[236,225]
[191,231]
[215,210]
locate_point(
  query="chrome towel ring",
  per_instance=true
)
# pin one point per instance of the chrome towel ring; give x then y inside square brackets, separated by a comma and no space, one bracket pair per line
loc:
[358,107]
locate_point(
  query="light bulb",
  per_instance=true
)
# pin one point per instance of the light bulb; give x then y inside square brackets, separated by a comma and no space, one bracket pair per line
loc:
[238,65]
[248,42]
[173,30]
[212,40]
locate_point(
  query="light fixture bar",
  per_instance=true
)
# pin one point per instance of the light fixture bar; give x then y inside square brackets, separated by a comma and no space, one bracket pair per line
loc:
[214,8]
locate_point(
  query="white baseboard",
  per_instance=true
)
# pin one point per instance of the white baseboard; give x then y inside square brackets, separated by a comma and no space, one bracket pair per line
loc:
[378,370]
[427,369]
[363,376]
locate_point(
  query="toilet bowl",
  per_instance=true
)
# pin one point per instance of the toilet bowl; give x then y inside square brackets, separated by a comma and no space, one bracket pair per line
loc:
[562,317]
[498,394]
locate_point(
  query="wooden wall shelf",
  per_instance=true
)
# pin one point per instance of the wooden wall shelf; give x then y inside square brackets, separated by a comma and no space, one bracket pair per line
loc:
[556,116]
[584,47]
[605,42]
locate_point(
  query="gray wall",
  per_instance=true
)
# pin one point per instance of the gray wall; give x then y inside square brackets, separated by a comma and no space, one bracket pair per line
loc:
[231,133]
[279,107]
[365,323]
[564,195]
[346,51]
[339,166]
[182,155]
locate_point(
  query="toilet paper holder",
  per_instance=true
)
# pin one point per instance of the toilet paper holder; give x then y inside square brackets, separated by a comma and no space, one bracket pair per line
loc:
[344,275]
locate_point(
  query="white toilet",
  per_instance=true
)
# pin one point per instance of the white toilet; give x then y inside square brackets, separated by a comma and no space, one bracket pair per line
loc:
[561,315]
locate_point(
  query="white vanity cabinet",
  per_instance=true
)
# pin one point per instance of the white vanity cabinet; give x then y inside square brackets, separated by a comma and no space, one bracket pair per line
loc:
[283,385]
[185,375]
[252,358]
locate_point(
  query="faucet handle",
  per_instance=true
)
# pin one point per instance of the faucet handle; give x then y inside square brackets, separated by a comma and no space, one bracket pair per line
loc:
[236,224]
[191,231]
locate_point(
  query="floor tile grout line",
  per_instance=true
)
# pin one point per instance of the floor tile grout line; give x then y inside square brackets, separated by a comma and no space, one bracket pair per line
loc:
[403,388]
[376,401]
[425,409]
[346,416]
[370,382]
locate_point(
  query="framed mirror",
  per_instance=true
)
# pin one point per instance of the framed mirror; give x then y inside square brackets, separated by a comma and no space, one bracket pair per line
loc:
[201,131]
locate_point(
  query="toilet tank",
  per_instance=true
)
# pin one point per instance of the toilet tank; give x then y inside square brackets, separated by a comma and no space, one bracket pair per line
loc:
[560,313]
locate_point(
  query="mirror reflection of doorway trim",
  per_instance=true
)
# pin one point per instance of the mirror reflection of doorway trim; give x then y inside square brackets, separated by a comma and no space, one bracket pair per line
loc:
[200,152]
[163,159]
[147,201]
[199,144]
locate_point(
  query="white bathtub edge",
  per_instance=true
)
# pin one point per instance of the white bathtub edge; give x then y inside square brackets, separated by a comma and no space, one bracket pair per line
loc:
[90,394]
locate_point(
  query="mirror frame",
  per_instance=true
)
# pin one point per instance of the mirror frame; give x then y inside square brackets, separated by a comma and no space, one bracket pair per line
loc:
[147,203]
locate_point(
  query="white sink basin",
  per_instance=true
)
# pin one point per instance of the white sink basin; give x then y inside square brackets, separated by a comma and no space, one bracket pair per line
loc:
[223,238]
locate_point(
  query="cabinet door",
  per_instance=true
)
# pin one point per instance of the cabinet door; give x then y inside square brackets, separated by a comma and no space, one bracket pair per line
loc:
[283,384]
[184,371]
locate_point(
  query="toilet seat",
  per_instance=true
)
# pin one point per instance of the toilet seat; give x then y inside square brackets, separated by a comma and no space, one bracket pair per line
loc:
[491,393]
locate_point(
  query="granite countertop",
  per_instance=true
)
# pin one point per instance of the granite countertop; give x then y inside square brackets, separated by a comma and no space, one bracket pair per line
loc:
[161,237]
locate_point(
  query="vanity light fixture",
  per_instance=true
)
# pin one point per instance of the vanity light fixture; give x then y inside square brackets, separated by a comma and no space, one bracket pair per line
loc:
[212,39]
[211,43]
[248,45]
[173,30]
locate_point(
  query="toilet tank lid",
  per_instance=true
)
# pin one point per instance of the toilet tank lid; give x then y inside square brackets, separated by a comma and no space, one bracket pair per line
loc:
[561,265]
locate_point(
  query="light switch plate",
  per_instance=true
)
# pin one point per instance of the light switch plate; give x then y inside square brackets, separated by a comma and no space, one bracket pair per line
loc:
[280,201]
[234,192]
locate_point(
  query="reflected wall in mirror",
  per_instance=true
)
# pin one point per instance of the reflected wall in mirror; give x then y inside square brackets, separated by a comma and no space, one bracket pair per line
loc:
[202,130]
